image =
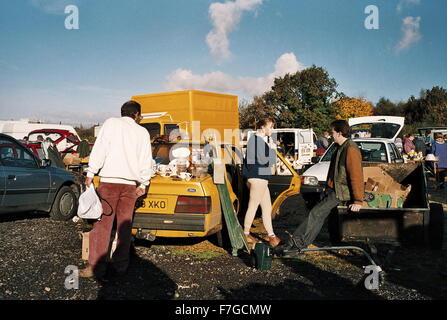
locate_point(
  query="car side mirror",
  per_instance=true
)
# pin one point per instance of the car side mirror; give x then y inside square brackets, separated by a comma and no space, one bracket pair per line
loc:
[44,163]
[315,159]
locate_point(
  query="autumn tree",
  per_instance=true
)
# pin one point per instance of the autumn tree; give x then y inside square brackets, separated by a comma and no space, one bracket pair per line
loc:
[352,108]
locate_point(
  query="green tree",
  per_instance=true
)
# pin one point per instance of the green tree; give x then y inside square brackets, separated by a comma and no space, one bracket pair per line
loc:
[304,99]
[385,107]
[250,114]
[429,109]
[435,101]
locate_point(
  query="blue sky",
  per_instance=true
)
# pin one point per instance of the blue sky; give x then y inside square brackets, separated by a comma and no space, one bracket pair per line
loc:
[128,47]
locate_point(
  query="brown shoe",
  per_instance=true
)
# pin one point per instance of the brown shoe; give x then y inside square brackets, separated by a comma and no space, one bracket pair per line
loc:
[274,241]
[86,272]
[250,239]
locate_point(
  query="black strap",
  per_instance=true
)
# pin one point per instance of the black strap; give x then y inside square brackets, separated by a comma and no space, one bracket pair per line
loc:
[102,199]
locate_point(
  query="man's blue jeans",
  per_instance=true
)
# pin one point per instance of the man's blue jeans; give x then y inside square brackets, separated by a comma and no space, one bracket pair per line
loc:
[309,229]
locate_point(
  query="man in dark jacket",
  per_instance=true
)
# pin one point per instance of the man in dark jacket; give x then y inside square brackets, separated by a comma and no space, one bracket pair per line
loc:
[344,184]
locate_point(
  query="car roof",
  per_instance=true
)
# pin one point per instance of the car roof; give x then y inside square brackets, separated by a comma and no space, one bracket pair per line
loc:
[384,140]
[50,130]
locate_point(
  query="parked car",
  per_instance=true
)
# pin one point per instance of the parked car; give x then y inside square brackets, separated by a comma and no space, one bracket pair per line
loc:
[62,139]
[28,183]
[192,208]
[376,144]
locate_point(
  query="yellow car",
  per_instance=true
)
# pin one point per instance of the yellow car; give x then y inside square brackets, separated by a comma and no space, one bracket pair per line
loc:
[191,208]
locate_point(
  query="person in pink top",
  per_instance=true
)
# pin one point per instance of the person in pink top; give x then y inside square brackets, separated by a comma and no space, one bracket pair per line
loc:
[408,144]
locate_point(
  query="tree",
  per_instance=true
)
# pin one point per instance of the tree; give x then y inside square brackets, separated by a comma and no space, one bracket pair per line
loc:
[387,108]
[435,101]
[352,107]
[303,99]
[429,109]
[250,114]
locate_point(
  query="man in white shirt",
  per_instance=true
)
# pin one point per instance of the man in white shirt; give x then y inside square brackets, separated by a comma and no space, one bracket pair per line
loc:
[123,157]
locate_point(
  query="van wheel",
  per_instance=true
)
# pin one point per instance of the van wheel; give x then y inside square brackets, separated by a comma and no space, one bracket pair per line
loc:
[436,226]
[64,205]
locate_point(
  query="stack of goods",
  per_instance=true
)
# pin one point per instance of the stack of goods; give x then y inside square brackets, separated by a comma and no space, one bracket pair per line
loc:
[382,191]
[72,159]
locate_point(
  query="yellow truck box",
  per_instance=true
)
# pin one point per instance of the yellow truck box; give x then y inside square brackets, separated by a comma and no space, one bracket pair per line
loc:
[193,111]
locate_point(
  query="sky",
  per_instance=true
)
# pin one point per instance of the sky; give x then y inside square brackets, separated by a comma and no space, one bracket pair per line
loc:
[79,66]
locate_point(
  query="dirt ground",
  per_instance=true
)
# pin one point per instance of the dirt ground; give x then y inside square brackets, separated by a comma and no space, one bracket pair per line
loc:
[36,251]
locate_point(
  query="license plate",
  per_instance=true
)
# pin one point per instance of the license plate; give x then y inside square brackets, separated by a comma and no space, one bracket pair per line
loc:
[155,204]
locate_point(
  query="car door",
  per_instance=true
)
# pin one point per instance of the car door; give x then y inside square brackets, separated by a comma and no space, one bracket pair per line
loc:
[395,156]
[27,184]
[2,186]
[284,183]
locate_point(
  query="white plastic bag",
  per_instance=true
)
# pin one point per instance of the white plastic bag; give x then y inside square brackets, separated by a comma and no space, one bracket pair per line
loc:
[89,204]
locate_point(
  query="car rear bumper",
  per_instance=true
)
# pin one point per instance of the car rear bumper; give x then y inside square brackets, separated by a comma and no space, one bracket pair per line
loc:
[305,189]
[178,222]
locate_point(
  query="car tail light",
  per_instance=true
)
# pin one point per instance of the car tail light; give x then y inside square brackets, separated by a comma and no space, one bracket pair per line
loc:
[193,204]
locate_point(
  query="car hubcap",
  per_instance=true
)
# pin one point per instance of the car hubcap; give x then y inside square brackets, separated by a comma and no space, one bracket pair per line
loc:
[66,204]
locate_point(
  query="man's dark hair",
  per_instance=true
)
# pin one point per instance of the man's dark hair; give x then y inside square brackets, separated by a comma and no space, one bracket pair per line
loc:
[264,121]
[130,108]
[341,126]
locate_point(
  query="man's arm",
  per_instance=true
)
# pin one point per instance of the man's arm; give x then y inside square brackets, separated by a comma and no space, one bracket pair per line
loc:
[355,177]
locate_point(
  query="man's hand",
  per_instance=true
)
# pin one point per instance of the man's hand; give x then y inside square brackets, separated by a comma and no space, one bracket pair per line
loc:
[355,207]
[140,192]
[88,182]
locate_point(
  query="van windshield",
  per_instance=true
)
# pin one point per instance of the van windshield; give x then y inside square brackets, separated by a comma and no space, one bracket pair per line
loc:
[153,128]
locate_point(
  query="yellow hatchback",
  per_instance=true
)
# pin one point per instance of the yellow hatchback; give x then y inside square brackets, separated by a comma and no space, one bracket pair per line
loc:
[177,207]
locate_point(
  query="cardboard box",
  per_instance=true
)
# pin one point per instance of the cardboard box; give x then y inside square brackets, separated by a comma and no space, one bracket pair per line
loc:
[85,245]
[72,159]
[380,182]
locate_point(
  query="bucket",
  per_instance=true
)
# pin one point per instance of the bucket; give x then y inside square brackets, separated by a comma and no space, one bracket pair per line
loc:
[263,255]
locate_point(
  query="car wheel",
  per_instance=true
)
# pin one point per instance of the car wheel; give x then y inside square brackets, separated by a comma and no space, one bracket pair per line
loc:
[64,205]
[436,226]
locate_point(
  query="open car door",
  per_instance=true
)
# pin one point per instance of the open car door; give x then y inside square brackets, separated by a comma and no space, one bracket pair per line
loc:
[285,182]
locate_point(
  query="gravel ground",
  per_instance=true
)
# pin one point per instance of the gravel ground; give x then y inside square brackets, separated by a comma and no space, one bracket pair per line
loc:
[36,250]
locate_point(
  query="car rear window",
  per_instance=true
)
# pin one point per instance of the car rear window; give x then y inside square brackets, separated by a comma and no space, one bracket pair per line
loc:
[371,151]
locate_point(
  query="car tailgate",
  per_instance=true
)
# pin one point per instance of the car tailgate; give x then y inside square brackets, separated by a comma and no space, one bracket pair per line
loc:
[163,194]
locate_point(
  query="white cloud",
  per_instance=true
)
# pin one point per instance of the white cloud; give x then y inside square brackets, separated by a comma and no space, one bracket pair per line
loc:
[411,34]
[53,6]
[406,3]
[182,79]
[225,17]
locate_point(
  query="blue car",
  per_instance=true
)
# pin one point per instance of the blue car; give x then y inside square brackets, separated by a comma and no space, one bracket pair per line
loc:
[28,183]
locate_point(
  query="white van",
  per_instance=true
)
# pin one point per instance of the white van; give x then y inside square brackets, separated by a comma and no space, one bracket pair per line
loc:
[297,145]
[21,128]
